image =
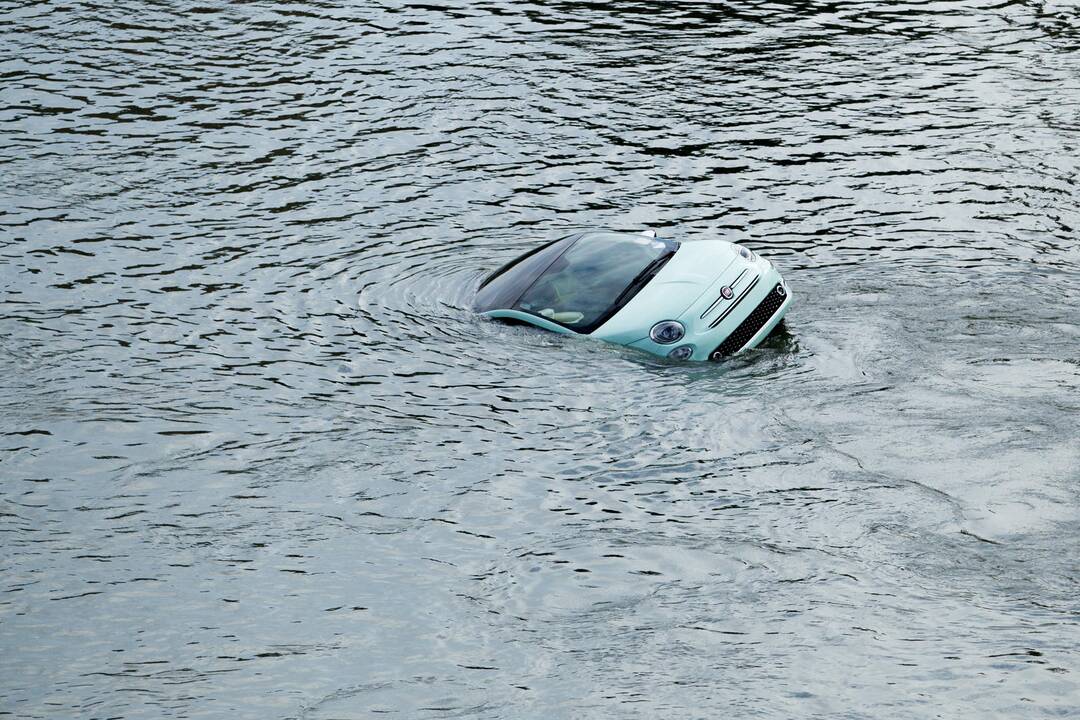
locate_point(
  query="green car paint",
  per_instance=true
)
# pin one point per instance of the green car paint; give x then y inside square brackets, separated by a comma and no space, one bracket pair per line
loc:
[711,287]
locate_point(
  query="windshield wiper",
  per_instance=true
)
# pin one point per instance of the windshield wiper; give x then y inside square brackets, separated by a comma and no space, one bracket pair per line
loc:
[642,278]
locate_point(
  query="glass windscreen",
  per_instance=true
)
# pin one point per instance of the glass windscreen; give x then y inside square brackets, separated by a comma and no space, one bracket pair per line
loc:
[599,274]
[505,285]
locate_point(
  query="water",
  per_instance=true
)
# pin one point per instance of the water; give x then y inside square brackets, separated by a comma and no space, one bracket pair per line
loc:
[260,459]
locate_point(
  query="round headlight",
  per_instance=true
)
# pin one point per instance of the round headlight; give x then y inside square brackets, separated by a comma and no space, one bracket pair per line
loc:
[667,332]
[744,252]
[683,352]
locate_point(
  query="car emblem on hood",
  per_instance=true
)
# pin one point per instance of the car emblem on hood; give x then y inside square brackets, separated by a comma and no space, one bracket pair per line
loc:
[726,292]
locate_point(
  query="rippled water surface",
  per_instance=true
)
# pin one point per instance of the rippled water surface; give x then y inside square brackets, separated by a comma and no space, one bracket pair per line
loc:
[261,461]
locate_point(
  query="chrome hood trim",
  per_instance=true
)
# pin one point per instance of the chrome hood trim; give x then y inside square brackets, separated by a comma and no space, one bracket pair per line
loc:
[738,299]
[720,298]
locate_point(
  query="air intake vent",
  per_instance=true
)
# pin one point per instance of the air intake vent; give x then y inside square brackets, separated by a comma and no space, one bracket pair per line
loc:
[750,326]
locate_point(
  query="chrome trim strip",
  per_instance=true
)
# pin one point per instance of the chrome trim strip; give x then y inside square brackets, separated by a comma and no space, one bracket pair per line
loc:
[710,308]
[733,305]
[717,300]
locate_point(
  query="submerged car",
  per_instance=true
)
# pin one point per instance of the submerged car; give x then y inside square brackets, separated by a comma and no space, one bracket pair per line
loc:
[696,300]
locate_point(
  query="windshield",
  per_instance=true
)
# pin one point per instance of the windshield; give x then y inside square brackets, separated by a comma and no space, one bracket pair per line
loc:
[594,278]
[505,285]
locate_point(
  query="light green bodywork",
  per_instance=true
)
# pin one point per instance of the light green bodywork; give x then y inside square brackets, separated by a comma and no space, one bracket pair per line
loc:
[684,290]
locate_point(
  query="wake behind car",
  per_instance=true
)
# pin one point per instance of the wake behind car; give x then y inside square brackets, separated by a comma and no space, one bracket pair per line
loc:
[695,300]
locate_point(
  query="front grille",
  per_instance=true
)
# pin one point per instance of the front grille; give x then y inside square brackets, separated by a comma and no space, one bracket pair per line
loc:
[753,322]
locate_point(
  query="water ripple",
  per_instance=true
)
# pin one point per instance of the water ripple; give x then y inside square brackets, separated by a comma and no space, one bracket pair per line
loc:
[260,457]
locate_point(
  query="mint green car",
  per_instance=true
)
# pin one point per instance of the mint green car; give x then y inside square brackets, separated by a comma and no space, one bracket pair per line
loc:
[696,300]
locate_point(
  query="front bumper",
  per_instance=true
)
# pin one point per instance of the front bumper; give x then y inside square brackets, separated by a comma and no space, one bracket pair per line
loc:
[735,314]
[756,325]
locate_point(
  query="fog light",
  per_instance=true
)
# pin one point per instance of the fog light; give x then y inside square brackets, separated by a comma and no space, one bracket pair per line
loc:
[683,352]
[667,332]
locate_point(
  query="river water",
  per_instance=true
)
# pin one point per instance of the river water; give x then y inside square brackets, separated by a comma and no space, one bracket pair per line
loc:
[259,459]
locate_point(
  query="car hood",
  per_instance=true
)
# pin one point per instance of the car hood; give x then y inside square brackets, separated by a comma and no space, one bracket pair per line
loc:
[689,273]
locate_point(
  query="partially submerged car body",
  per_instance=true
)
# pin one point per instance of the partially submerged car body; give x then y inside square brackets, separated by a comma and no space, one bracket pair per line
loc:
[696,300]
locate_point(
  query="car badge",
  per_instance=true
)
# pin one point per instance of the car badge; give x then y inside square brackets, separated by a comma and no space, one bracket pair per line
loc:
[727,293]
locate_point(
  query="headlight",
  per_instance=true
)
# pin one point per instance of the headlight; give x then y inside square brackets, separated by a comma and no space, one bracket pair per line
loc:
[667,332]
[683,352]
[745,252]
